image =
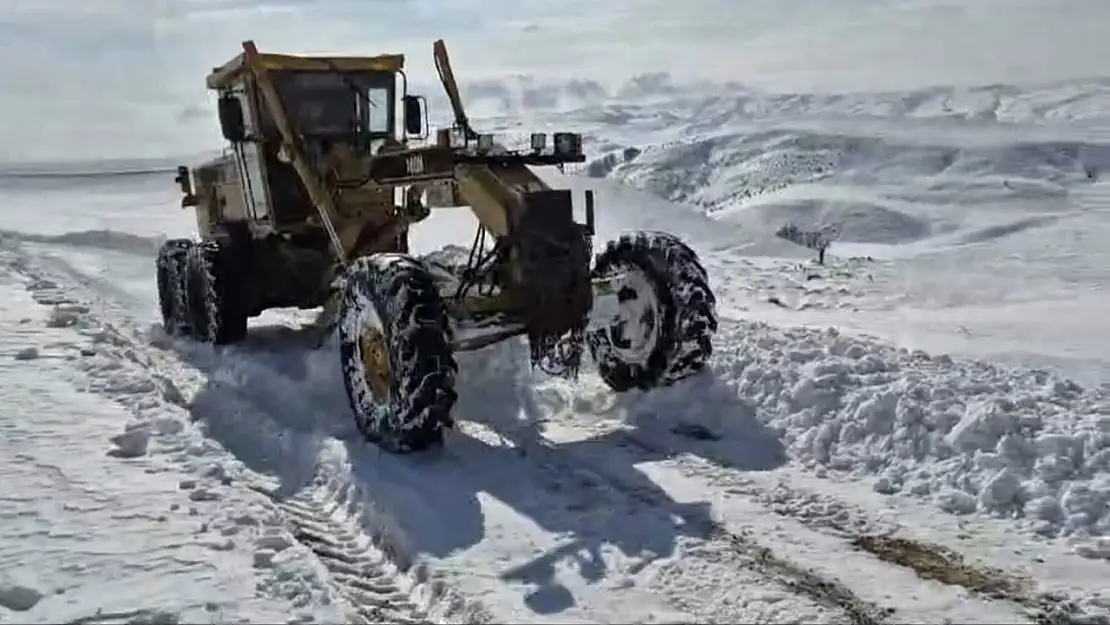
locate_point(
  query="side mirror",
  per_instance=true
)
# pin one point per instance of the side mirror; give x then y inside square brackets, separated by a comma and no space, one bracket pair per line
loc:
[232,123]
[415,115]
[182,179]
[186,183]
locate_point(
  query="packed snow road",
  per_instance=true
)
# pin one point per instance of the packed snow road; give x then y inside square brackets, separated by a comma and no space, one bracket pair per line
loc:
[810,476]
[813,474]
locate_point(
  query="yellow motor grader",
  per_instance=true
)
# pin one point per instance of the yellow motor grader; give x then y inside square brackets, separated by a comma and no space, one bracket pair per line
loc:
[328,163]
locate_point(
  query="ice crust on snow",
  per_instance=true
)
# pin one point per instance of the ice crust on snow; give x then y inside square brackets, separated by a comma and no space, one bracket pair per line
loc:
[972,436]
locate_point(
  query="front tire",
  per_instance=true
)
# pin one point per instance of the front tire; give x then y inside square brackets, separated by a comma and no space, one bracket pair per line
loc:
[216,287]
[171,267]
[668,313]
[395,346]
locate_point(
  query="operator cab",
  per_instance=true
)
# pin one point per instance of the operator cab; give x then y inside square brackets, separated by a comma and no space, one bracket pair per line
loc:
[345,109]
[358,106]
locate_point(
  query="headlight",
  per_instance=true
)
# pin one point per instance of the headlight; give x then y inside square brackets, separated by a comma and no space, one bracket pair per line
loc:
[485,143]
[568,144]
[539,142]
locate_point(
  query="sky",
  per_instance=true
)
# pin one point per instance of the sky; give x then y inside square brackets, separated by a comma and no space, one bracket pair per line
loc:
[125,78]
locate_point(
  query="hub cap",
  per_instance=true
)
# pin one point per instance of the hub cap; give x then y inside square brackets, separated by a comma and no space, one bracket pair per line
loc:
[635,333]
[375,363]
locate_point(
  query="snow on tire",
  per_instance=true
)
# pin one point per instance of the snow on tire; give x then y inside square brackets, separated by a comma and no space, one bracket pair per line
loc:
[170,266]
[668,313]
[215,289]
[394,297]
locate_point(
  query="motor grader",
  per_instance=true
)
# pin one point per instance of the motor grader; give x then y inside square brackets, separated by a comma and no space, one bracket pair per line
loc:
[329,162]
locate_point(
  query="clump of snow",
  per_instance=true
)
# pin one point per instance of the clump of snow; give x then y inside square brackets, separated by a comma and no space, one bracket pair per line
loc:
[155,617]
[973,436]
[1098,549]
[65,315]
[273,541]
[130,443]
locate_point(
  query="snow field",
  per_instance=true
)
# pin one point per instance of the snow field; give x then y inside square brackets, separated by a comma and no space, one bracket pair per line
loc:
[678,570]
[159,517]
[814,474]
[229,404]
[150,534]
[840,406]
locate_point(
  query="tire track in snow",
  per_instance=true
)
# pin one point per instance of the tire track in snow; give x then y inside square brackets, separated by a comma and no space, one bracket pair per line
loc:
[351,555]
[367,570]
[378,584]
[365,565]
[744,549]
[335,542]
[344,549]
[857,530]
[711,562]
[713,548]
[342,511]
[929,560]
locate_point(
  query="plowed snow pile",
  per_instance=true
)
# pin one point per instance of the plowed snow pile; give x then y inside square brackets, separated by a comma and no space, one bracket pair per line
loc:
[971,435]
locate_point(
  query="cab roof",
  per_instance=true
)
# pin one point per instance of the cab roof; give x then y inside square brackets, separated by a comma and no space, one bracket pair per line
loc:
[223,76]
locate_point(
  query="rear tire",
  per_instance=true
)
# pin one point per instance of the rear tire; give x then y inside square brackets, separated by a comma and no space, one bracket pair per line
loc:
[216,287]
[171,269]
[670,313]
[391,307]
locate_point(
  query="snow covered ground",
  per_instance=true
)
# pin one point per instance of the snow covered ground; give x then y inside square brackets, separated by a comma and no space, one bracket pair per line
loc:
[917,431]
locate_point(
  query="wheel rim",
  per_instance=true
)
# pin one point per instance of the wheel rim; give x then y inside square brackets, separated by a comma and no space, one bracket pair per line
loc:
[635,335]
[375,363]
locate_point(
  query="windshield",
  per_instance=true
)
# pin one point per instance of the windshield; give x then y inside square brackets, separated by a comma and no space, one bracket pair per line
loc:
[333,104]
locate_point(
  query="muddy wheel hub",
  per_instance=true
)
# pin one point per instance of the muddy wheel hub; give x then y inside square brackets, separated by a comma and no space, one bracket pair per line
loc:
[375,363]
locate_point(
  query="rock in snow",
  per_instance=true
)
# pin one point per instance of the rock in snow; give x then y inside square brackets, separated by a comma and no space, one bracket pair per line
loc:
[18,598]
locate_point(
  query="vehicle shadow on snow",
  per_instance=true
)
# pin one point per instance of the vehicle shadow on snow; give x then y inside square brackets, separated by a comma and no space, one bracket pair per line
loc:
[611,504]
[277,404]
[702,416]
[261,404]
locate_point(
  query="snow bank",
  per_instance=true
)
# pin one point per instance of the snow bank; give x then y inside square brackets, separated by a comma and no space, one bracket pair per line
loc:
[729,169]
[973,436]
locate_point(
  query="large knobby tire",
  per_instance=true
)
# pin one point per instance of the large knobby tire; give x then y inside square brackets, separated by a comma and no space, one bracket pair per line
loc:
[390,302]
[668,313]
[215,288]
[171,269]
